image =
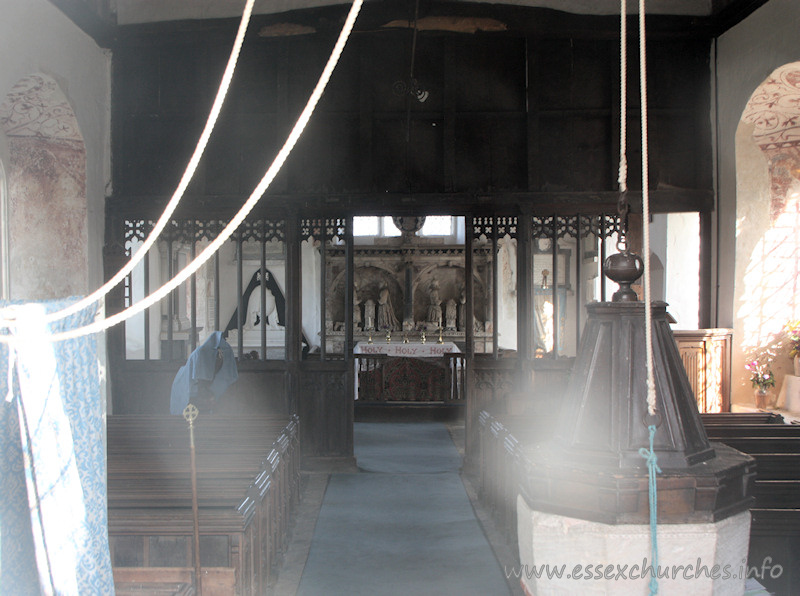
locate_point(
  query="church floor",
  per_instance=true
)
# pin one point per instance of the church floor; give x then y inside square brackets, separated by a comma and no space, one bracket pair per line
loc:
[404,524]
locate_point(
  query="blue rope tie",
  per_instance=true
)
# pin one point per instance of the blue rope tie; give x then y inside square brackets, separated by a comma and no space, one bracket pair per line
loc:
[652,469]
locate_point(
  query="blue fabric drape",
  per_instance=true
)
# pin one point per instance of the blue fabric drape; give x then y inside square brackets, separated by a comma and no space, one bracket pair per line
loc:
[202,367]
[53,520]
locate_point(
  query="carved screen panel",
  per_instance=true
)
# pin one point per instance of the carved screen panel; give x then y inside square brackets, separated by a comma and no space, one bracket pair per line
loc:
[229,293]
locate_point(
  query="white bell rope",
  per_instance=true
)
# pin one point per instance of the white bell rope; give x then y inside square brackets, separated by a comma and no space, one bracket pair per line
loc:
[648,453]
[648,326]
[255,196]
[623,97]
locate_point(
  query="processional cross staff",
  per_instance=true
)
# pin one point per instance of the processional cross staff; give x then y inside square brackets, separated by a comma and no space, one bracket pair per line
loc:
[190,413]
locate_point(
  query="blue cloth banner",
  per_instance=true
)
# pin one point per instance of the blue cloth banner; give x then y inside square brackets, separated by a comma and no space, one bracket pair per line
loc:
[202,367]
[53,518]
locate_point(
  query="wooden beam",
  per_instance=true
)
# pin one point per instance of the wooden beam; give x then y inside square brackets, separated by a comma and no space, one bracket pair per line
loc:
[276,206]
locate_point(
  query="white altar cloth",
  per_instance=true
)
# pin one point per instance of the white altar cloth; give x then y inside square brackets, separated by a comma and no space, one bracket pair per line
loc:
[409,350]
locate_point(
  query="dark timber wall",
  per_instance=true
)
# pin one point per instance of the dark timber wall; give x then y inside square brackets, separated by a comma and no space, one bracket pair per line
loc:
[517,122]
[529,114]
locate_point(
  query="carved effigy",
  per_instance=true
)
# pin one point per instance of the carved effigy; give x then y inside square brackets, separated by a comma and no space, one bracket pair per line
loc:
[356,309]
[387,321]
[369,315]
[462,311]
[450,315]
[407,284]
[434,305]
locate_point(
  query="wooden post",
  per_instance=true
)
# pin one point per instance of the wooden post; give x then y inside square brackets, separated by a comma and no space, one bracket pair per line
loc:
[190,415]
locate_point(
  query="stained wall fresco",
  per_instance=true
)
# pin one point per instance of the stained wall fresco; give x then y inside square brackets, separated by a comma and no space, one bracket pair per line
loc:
[47,191]
[767,294]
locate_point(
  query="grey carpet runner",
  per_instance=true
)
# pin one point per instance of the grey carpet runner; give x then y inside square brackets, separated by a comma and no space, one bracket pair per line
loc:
[403,525]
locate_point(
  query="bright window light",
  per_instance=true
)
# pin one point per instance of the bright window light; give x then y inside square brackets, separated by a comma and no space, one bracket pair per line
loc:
[389,229]
[437,225]
[365,226]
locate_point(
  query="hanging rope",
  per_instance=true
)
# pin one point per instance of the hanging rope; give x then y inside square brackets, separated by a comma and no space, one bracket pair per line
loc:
[623,98]
[255,196]
[191,167]
[652,489]
[648,454]
[651,388]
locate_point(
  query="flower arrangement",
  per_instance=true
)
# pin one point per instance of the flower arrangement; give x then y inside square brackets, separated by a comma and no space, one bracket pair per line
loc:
[761,375]
[793,333]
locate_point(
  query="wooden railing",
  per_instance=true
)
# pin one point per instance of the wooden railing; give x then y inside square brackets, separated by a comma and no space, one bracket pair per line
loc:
[383,378]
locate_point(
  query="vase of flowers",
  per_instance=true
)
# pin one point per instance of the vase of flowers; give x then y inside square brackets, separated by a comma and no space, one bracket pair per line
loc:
[763,380]
[793,334]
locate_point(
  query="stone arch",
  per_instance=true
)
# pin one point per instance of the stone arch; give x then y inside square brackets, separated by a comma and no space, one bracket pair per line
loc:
[774,112]
[767,292]
[46,183]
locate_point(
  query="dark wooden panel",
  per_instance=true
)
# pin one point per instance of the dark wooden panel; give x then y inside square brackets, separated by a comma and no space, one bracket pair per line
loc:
[560,81]
[490,153]
[254,85]
[576,74]
[306,60]
[422,153]
[326,156]
[325,408]
[258,141]
[222,160]
[488,76]
[180,76]
[136,89]
[144,388]
[157,151]
[574,152]
[676,160]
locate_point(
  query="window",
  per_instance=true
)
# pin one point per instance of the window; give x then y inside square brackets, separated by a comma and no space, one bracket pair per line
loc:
[437,225]
[374,226]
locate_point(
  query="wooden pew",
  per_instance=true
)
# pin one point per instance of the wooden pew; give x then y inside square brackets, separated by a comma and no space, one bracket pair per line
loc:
[248,481]
[741,418]
[171,581]
[500,440]
[775,526]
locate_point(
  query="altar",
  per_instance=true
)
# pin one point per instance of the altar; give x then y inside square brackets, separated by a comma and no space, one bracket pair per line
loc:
[407,350]
[409,372]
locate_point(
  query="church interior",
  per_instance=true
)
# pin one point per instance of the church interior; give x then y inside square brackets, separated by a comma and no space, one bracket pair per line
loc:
[384,262]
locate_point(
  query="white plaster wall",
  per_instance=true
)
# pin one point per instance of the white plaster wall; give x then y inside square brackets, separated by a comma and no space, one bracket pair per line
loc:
[37,37]
[658,256]
[746,55]
[682,275]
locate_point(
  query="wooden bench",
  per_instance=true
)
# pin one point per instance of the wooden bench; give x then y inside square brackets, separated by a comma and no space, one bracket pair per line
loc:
[172,581]
[500,441]
[775,526]
[247,479]
[741,418]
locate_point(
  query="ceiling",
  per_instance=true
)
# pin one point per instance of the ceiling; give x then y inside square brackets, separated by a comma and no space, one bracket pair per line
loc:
[142,11]
[102,19]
